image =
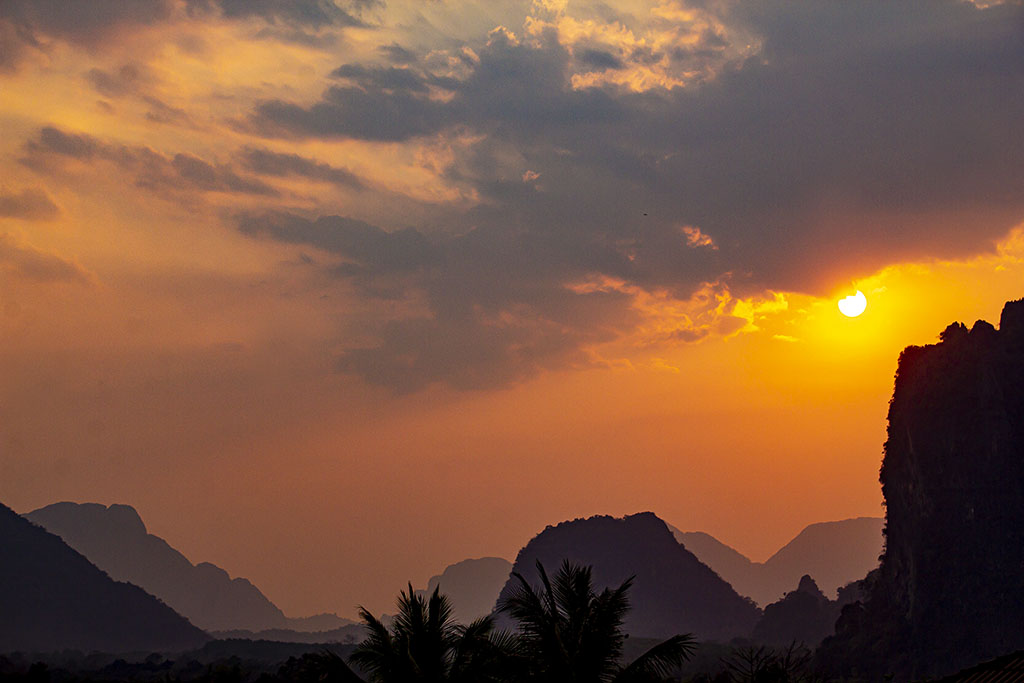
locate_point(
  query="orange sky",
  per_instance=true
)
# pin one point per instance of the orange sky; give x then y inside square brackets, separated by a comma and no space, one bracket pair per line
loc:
[570,259]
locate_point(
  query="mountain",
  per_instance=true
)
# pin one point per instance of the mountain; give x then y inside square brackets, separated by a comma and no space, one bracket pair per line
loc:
[673,592]
[116,540]
[52,598]
[804,615]
[742,574]
[324,621]
[833,553]
[472,586]
[949,591]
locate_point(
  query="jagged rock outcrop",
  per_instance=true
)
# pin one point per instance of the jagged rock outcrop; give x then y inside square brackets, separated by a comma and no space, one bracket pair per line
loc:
[804,615]
[950,588]
[52,598]
[472,586]
[673,591]
[115,539]
[834,553]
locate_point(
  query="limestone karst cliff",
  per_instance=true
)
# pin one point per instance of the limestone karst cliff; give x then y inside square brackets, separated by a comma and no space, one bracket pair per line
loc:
[950,588]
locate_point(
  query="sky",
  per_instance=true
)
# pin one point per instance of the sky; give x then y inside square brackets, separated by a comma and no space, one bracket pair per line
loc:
[337,293]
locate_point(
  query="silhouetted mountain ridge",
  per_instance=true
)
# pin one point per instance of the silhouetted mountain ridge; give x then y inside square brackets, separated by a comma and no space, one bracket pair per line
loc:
[116,539]
[51,597]
[472,585]
[832,553]
[673,592]
[949,591]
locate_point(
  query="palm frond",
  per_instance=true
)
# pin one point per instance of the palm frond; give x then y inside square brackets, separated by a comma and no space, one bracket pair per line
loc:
[659,661]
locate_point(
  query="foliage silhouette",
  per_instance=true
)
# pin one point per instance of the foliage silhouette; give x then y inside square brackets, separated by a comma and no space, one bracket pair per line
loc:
[425,645]
[568,633]
[767,665]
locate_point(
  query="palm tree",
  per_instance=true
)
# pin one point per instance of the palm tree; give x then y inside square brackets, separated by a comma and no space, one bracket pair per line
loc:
[425,645]
[570,634]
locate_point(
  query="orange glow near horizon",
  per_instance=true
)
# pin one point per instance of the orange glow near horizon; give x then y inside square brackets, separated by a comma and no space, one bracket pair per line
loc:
[159,351]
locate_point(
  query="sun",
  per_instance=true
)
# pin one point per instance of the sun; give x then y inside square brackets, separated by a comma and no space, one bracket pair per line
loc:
[853,305]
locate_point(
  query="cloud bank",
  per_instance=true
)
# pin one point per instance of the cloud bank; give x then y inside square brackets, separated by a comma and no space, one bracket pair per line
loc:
[853,136]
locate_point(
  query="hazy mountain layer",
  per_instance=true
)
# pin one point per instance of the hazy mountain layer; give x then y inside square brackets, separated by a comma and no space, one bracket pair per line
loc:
[52,598]
[673,591]
[116,540]
[472,585]
[833,553]
[950,588]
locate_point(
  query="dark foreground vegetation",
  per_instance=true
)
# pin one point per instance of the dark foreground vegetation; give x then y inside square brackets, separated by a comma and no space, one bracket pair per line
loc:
[566,632]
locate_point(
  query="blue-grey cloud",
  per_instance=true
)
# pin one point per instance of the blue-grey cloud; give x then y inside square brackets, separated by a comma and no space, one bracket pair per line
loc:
[857,136]
[599,59]
[30,204]
[25,25]
[397,54]
[312,14]
[496,308]
[150,169]
[266,162]
[29,263]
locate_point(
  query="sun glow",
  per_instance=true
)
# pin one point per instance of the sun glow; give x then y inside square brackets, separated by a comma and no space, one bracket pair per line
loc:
[853,305]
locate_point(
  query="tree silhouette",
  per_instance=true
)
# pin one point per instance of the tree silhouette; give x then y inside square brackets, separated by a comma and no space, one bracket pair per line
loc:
[568,633]
[425,645]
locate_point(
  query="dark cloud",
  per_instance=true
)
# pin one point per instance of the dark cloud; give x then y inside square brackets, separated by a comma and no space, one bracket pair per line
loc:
[15,41]
[397,54]
[207,176]
[352,111]
[67,144]
[860,135]
[313,14]
[134,80]
[83,22]
[29,204]
[28,25]
[151,169]
[513,85]
[29,263]
[127,80]
[265,162]
[599,59]
[161,112]
[496,306]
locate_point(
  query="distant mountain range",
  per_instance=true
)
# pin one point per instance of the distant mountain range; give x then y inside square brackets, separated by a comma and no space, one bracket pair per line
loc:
[472,586]
[115,539]
[832,553]
[673,591]
[53,598]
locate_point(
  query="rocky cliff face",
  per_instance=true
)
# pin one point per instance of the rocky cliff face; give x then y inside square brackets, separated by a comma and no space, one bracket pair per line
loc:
[950,588]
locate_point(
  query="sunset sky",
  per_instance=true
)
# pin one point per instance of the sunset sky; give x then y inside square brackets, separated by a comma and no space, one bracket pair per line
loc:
[339,294]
